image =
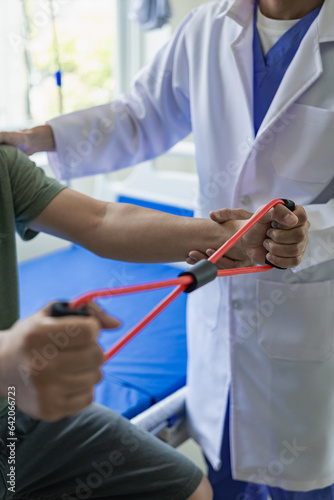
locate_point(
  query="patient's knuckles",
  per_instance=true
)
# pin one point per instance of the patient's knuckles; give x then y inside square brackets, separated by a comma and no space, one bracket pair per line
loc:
[96,355]
[91,330]
[88,358]
[82,360]
[98,377]
[83,332]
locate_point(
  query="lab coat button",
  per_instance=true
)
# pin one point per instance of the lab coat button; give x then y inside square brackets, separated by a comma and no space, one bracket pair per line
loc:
[245,200]
[236,304]
[249,141]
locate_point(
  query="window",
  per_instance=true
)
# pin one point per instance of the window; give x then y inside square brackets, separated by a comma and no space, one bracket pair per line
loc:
[57,56]
[92,42]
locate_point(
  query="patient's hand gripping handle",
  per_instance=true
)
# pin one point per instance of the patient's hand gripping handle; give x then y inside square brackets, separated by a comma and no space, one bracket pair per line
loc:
[291,206]
[59,309]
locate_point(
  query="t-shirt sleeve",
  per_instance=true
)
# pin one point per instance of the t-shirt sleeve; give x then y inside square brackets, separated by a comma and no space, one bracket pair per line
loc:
[32,190]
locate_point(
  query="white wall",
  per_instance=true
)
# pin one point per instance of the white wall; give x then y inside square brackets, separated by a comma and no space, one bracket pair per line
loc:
[13,81]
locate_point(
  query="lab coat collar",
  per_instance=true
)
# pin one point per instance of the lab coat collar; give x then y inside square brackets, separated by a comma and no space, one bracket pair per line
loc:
[239,10]
[242,11]
[305,69]
[302,73]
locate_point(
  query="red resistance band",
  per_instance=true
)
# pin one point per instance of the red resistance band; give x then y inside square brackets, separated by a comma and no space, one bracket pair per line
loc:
[186,282]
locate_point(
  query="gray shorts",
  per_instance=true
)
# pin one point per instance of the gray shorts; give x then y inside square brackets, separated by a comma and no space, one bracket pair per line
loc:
[96,454]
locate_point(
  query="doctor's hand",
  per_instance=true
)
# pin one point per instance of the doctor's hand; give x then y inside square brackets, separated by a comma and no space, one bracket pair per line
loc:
[230,218]
[30,141]
[53,363]
[280,236]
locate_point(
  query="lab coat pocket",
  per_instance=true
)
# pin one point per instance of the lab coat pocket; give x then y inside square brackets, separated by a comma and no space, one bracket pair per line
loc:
[303,147]
[296,322]
[207,303]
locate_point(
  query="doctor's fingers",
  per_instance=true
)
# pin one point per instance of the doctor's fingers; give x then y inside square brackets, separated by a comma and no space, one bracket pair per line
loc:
[295,250]
[297,234]
[281,215]
[284,262]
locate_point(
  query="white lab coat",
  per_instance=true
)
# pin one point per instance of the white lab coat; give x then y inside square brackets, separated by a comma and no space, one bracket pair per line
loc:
[268,337]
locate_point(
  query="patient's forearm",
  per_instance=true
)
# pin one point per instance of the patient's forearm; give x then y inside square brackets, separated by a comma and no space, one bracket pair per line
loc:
[128,232]
[137,234]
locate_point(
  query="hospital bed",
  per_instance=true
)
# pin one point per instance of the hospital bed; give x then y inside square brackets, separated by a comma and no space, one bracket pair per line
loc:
[146,380]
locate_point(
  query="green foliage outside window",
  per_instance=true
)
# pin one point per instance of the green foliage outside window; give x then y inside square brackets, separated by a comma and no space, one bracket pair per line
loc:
[86,37]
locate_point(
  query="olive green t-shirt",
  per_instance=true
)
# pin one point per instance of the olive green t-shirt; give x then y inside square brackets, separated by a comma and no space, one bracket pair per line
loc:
[24,193]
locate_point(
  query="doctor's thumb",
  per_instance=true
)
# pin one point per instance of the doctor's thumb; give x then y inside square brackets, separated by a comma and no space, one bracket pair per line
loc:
[283,216]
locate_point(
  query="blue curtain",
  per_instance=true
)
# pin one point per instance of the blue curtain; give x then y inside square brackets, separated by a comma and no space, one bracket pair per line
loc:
[150,14]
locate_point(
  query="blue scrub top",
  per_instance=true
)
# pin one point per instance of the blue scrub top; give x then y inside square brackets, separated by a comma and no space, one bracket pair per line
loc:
[270,69]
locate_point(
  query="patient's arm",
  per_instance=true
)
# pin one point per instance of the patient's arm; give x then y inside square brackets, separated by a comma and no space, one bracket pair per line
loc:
[130,233]
[126,232]
[51,389]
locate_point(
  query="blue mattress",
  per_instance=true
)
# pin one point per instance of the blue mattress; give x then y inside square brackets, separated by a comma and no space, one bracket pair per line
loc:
[153,365]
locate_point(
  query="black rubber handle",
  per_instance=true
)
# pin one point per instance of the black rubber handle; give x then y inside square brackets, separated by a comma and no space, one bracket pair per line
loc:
[203,272]
[60,309]
[291,206]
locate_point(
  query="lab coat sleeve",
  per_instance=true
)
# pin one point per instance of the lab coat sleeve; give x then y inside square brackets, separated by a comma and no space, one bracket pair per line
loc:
[320,249]
[136,127]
